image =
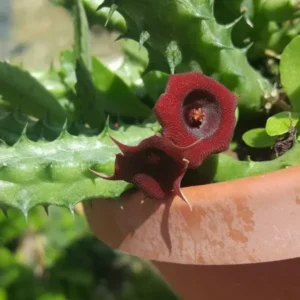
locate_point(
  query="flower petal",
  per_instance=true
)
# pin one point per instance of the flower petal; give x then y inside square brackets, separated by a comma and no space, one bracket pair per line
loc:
[155,166]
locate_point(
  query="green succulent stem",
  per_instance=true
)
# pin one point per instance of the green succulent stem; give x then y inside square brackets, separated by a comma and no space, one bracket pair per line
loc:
[223,167]
[58,172]
[241,169]
[184,35]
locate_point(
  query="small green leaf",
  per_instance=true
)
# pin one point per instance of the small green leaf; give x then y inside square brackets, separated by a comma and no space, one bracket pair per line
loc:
[22,90]
[144,36]
[290,72]
[280,123]
[81,33]
[174,56]
[258,138]
[119,99]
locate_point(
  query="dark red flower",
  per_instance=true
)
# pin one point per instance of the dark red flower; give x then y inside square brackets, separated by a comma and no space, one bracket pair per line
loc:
[156,166]
[197,109]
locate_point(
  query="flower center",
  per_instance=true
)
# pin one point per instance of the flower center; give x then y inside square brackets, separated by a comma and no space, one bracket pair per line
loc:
[153,156]
[194,116]
[201,113]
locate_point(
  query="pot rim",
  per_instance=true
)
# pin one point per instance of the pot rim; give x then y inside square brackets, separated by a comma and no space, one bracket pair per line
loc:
[249,220]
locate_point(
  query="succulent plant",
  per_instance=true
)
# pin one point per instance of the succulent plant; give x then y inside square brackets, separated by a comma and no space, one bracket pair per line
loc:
[55,134]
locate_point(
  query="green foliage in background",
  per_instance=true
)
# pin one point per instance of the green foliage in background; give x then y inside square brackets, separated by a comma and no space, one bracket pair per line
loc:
[56,257]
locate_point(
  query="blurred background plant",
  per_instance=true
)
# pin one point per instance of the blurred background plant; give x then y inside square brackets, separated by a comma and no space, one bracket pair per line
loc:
[56,257]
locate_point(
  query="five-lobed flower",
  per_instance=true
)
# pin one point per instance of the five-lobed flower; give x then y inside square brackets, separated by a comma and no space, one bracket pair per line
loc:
[197,115]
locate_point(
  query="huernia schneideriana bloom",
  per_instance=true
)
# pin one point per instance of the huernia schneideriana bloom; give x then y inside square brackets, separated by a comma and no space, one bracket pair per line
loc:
[197,115]
[155,166]
[196,109]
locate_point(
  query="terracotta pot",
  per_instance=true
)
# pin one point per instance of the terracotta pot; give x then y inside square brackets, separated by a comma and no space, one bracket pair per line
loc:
[241,241]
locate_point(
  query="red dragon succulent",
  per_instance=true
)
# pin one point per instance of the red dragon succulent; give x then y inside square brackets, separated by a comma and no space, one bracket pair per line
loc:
[197,115]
